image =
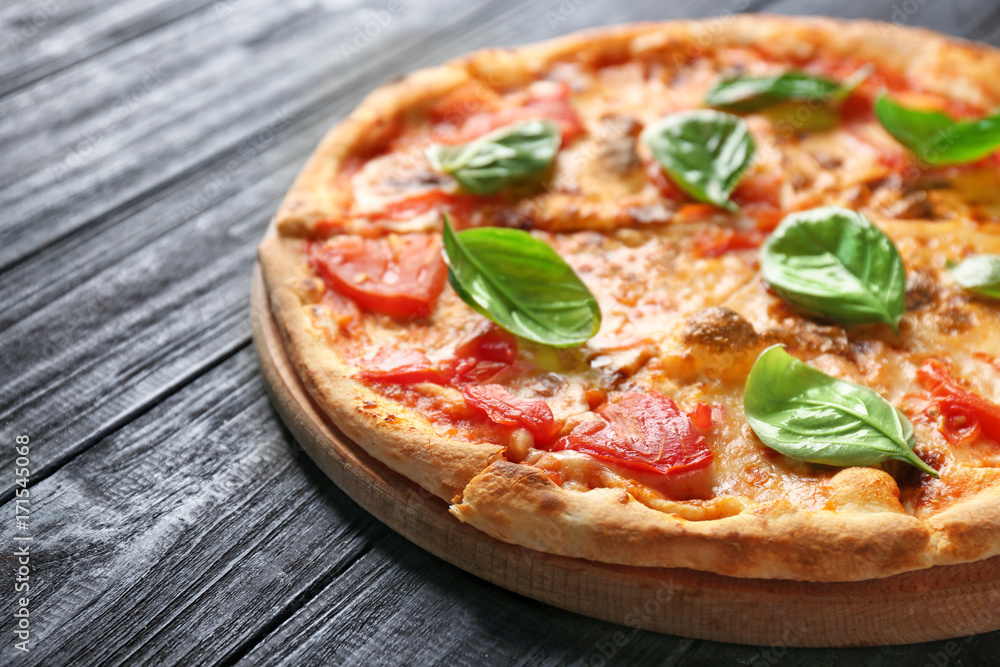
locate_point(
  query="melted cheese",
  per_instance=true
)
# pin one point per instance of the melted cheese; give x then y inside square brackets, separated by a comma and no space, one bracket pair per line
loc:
[644,263]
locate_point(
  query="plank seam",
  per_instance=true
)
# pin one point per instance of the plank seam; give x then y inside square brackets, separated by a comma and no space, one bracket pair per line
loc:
[124,210]
[986,27]
[129,416]
[296,603]
[61,68]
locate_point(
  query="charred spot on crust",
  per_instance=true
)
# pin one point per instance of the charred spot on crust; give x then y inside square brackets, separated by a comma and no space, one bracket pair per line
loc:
[616,144]
[922,290]
[550,502]
[801,333]
[652,214]
[417,179]
[618,156]
[516,219]
[828,161]
[955,317]
[719,328]
[806,335]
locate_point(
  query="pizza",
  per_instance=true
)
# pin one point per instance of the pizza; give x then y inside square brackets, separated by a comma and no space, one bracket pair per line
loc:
[718,295]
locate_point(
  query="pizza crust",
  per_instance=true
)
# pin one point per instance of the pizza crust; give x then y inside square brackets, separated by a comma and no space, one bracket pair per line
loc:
[312,197]
[517,504]
[867,536]
[390,432]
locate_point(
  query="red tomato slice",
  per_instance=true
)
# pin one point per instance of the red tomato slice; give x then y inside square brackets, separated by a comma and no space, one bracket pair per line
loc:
[504,408]
[460,207]
[960,408]
[400,276]
[481,358]
[702,417]
[720,241]
[642,430]
[495,344]
[666,187]
[992,361]
[763,189]
[402,366]
[549,101]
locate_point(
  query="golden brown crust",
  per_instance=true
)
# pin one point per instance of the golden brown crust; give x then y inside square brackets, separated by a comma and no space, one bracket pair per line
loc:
[864,532]
[521,505]
[388,431]
[313,197]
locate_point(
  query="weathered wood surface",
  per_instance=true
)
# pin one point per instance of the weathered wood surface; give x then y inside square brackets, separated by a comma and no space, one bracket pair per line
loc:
[143,148]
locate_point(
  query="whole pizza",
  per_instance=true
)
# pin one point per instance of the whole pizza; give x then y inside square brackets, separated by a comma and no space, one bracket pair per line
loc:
[717,295]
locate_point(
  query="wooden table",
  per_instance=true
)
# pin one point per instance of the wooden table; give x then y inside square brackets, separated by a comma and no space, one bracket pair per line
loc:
[144,145]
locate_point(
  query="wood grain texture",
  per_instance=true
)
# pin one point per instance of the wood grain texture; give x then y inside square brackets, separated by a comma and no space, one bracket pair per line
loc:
[145,145]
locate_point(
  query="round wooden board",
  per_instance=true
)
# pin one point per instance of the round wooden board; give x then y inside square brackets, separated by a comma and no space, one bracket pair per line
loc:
[938,603]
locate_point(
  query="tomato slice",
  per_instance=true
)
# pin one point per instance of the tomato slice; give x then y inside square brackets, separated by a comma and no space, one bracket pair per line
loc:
[547,100]
[504,408]
[400,276]
[992,361]
[961,410]
[666,187]
[701,417]
[495,344]
[402,366]
[482,358]
[762,189]
[550,99]
[718,241]
[642,430]
[460,207]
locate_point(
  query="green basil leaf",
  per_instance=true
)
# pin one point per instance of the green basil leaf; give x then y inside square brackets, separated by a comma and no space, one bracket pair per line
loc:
[802,101]
[744,94]
[704,152]
[810,416]
[520,283]
[833,262]
[936,138]
[501,158]
[979,274]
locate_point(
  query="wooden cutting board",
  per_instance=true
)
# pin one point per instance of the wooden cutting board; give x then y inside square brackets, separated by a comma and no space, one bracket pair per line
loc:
[937,603]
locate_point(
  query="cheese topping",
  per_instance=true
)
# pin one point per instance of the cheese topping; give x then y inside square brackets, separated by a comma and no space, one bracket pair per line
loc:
[685,310]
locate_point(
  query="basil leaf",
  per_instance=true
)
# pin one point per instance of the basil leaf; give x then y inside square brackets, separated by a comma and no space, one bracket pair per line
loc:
[501,158]
[936,138]
[810,416]
[979,274]
[833,262]
[520,283]
[744,94]
[786,96]
[704,152]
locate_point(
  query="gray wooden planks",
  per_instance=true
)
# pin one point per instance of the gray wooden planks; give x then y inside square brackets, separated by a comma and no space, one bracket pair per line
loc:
[111,259]
[181,551]
[41,38]
[168,490]
[151,284]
